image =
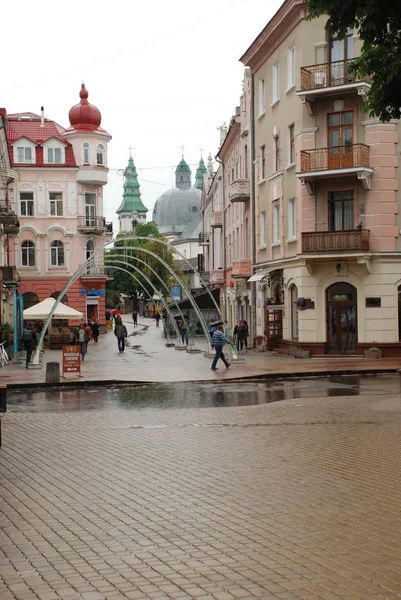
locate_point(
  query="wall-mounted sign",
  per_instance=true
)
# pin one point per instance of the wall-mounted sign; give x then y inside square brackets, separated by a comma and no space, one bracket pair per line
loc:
[175,292]
[373,302]
[83,291]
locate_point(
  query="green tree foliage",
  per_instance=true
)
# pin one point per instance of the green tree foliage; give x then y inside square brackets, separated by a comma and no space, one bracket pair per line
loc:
[133,248]
[379,26]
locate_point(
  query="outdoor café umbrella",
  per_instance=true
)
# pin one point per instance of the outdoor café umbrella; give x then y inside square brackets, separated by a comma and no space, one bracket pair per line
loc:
[42,310]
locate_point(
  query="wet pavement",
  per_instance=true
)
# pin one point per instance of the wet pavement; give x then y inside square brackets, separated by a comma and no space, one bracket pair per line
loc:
[147,359]
[228,490]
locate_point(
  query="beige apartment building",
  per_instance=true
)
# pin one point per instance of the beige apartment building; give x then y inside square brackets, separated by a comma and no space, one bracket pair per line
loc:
[227,216]
[327,246]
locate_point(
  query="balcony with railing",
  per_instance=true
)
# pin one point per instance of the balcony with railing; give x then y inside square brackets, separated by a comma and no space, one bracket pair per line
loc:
[203,239]
[216,219]
[217,277]
[240,191]
[336,160]
[241,268]
[321,242]
[94,225]
[331,78]
[94,272]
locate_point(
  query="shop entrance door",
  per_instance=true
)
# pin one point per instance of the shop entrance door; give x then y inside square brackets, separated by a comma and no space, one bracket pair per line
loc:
[342,323]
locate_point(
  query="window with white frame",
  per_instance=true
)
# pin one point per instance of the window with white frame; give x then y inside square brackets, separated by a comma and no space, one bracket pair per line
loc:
[100,154]
[86,153]
[291,67]
[275,83]
[262,229]
[56,204]
[292,220]
[54,155]
[291,144]
[57,254]
[276,155]
[26,204]
[261,97]
[27,254]
[276,224]
[23,154]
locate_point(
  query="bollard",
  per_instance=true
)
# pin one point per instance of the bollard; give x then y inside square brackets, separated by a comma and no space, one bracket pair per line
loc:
[52,372]
[3,404]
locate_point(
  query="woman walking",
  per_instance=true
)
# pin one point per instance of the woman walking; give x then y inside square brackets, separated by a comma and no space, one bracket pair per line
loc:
[120,331]
[83,339]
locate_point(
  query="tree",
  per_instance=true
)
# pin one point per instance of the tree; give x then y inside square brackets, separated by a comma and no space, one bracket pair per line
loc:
[379,26]
[128,249]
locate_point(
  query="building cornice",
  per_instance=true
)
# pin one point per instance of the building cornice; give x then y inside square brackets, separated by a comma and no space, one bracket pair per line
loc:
[278,28]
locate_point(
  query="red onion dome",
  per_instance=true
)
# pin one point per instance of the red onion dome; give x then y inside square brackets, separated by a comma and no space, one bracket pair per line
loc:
[84,116]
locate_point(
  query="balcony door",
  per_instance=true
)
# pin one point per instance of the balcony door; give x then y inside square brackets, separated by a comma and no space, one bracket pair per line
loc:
[342,326]
[341,51]
[341,210]
[90,210]
[340,139]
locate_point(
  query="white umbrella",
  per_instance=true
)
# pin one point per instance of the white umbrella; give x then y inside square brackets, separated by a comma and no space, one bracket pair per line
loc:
[42,311]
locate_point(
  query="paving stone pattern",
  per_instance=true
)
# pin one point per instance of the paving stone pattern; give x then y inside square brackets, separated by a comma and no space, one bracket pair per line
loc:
[294,500]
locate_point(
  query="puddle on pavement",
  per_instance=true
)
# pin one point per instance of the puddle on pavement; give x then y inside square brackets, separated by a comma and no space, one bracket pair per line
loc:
[198,395]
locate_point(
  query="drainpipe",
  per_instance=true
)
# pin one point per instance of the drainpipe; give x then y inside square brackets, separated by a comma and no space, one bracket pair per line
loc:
[253,209]
[223,234]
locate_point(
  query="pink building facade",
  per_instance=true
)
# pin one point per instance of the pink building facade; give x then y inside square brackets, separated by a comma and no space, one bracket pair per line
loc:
[59,202]
[326,243]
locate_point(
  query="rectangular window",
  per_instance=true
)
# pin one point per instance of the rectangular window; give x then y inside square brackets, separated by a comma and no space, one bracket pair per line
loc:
[262,163]
[262,230]
[246,161]
[291,144]
[291,67]
[275,83]
[90,210]
[54,155]
[276,157]
[292,220]
[24,155]
[56,204]
[26,204]
[261,97]
[341,210]
[276,224]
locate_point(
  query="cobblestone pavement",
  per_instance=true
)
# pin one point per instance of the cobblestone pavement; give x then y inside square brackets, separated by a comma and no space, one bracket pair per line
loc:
[148,359]
[297,499]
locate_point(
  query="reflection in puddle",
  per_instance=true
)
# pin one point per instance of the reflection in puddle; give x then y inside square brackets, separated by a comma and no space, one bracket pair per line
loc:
[178,395]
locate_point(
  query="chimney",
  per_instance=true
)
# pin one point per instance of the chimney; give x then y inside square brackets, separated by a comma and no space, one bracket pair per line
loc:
[42,116]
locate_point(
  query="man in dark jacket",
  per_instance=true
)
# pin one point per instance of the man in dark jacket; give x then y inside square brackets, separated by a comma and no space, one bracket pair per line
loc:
[30,341]
[239,333]
[120,331]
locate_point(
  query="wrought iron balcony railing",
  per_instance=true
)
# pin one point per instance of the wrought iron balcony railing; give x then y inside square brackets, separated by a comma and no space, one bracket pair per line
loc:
[203,239]
[336,157]
[326,75]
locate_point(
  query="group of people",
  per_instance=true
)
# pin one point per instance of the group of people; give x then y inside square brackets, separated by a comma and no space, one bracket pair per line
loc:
[241,334]
[87,332]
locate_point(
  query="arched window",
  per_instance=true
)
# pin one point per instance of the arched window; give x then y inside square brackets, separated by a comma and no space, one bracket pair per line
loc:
[30,299]
[294,312]
[90,252]
[57,254]
[100,154]
[85,151]
[27,254]
[64,299]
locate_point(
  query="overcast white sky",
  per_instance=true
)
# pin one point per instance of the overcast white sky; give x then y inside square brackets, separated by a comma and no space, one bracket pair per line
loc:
[162,73]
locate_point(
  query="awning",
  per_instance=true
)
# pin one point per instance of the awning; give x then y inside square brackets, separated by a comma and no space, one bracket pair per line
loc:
[259,275]
[202,300]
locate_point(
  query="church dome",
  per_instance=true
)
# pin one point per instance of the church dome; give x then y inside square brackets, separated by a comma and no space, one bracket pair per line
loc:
[176,208]
[85,116]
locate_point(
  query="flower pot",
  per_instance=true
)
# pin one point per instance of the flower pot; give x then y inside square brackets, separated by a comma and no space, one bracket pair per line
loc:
[373,353]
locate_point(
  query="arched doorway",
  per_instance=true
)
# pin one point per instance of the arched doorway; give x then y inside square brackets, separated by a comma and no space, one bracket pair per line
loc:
[30,299]
[342,322]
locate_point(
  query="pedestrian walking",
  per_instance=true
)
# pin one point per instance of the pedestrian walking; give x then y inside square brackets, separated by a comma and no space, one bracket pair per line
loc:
[239,332]
[218,341]
[183,327]
[246,333]
[95,329]
[135,318]
[157,317]
[83,339]
[120,331]
[30,341]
